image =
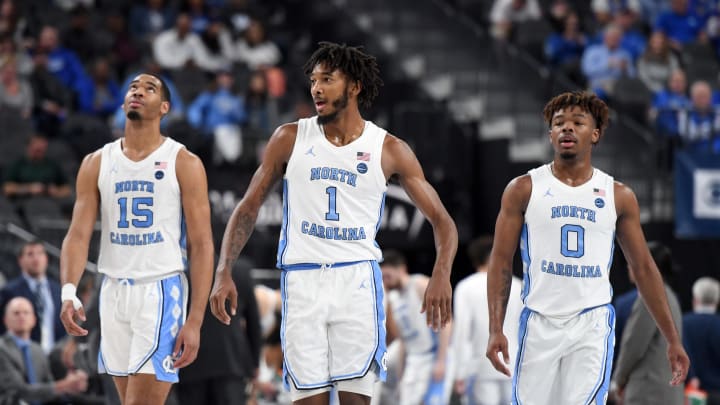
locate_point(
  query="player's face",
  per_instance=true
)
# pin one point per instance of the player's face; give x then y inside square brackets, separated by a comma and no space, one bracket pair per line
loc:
[330,92]
[143,99]
[573,131]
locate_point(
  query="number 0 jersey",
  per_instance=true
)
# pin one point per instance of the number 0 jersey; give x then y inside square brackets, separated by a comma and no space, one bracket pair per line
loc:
[567,243]
[143,228]
[333,198]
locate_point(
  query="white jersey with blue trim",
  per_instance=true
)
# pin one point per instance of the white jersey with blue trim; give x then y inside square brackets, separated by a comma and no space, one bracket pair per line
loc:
[567,243]
[416,335]
[143,227]
[333,198]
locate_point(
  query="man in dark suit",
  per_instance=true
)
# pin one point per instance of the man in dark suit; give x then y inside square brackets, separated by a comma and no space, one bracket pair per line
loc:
[701,334]
[228,357]
[42,291]
[24,369]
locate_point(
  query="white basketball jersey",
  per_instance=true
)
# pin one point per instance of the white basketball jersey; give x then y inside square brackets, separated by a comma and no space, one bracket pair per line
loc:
[417,337]
[567,243]
[333,198]
[143,228]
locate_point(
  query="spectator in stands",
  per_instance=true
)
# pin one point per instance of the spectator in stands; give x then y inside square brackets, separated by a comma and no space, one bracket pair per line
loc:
[701,334]
[179,47]
[123,48]
[219,114]
[254,49]
[80,37]
[699,126]
[261,107]
[236,14]
[218,42]
[606,11]
[101,95]
[23,62]
[35,174]
[15,91]
[12,22]
[668,102]
[564,50]
[633,40]
[43,291]
[604,63]
[52,98]
[657,63]
[505,13]
[150,19]
[680,24]
[197,10]
[24,370]
[63,63]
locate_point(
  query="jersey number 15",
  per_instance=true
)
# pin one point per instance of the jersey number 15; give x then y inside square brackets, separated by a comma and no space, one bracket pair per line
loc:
[143,216]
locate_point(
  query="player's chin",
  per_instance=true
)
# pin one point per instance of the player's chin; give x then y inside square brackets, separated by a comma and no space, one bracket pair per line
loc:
[568,155]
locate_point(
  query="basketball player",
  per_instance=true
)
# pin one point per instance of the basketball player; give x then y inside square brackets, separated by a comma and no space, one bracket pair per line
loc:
[566,215]
[425,373]
[335,167]
[152,194]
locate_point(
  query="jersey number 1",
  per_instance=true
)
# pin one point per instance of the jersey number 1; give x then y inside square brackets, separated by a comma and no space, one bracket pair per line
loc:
[143,215]
[332,214]
[572,243]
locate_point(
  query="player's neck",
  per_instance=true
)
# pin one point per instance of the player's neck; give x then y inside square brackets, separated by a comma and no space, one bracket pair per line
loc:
[345,128]
[141,139]
[572,172]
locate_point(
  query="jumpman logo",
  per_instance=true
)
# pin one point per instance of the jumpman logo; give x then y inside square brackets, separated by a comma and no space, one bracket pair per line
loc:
[310,151]
[363,284]
[548,193]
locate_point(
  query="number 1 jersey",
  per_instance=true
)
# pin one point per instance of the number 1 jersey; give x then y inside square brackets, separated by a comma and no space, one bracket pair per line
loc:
[567,243]
[143,228]
[333,198]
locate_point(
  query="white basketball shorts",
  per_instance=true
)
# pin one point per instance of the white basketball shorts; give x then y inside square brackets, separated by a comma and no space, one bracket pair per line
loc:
[564,362]
[333,324]
[417,385]
[139,321]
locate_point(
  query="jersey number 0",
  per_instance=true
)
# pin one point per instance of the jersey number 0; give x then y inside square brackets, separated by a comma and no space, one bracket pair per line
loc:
[572,240]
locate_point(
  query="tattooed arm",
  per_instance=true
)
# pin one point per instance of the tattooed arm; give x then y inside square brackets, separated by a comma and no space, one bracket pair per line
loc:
[507,232]
[242,220]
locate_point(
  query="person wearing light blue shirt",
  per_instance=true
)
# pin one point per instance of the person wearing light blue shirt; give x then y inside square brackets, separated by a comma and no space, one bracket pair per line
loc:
[603,64]
[218,107]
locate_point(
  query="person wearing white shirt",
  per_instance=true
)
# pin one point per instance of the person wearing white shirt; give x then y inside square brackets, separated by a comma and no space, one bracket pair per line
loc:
[505,13]
[475,378]
[176,47]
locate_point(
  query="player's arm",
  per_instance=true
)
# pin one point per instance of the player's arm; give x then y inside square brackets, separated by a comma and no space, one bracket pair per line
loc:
[74,252]
[196,208]
[399,159]
[507,232]
[242,220]
[647,277]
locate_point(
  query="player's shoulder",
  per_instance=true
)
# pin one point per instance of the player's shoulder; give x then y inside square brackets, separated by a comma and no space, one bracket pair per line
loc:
[520,186]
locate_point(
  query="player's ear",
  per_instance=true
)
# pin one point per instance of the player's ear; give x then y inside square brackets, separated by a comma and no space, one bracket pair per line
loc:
[164,107]
[595,136]
[356,87]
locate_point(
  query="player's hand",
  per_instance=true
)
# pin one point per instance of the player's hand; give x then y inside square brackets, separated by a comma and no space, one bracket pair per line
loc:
[187,344]
[679,363]
[437,304]
[70,316]
[498,344]
[223,290]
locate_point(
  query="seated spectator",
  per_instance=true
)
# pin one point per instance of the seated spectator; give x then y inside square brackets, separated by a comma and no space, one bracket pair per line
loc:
[101,95]
[657,63]
[505,13]
[23,62]
[43,291]
[15,91]
[564,50]
[680,24]
[254,49]
[218,42]
[198,11]
[150,19]
[219,114]
[79,37]
[123,49]
[668,103]
[178,47]
[604,63]
[35,174]
[701,333]
[605,11]
[651,9]
[24,370]
[52,98]
[261,107]
[63,63]
[699,126]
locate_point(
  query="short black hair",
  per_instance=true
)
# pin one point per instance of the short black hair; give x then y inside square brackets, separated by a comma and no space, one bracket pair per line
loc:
[166,96]
[354,63]
[478,250]
[26,244]
[586,101]
[392,257]
[662,255]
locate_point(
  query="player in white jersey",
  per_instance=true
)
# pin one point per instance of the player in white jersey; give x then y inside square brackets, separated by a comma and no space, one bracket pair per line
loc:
[425,375]
[335,167]
[152,196]
[475,378]
[566,215]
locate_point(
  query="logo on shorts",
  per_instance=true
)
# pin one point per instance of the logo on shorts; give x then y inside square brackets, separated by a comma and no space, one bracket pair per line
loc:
[169,365]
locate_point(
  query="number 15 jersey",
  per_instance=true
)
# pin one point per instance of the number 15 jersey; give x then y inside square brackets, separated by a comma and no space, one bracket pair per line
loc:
[143,228]
[333,198]
[567,243]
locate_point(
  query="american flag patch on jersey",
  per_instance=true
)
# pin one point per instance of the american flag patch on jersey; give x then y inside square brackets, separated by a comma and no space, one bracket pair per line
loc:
[363,156]
[599,191]
[160,165]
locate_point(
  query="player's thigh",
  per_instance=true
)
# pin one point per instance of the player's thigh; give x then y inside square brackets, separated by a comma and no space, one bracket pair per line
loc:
[115,329]
[590,357]
[145,389]
[304,325]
